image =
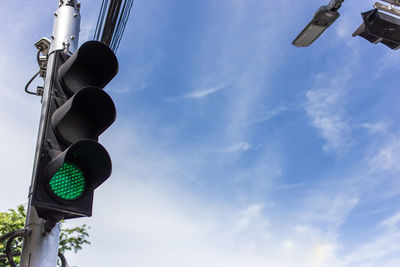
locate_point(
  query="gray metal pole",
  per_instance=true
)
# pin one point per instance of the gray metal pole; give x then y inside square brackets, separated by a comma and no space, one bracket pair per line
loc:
[41,247]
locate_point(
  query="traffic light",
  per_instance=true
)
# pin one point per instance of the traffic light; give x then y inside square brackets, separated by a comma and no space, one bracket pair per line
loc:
[379,27]
[71,163]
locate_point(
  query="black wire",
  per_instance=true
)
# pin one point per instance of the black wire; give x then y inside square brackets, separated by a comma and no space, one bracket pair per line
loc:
[63,260]
[10,234]
[121,26]
[103,16]
[110,27]
[116,32]
[111,19]
[8,251]
[34,76]
[29,82]
[124,25]
[100,20]
[106,29]
[116,15]
[9,254]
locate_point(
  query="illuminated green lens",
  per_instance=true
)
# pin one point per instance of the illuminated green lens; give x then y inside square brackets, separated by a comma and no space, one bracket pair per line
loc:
[68,183]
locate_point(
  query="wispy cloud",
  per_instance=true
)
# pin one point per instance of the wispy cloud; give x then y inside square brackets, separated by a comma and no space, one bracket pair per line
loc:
[326,109]
[328,211]
[165,204]
[382,250]
[161,224]
[378,127]
[268,114]
[388,61]
[204,93]
[238,147]
[387,158]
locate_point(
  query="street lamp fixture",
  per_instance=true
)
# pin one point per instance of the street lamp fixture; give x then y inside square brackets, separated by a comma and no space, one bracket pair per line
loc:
[379,27]
[323,18]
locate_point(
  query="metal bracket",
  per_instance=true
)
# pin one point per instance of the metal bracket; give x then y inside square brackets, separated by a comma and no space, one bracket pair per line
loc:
[393,2]
[40,90]
[48,225]
[389,8]
[42,61]
[66,45]
[334,5]
[43,46]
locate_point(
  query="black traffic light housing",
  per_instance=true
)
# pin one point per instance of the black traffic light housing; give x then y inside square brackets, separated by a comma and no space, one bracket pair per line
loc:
[72,164]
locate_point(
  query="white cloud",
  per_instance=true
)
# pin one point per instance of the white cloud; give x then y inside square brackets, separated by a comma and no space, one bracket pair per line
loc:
[379,127]
[268,114]
[145,216]
[388,61]
[328,211]
[326,109]
[231,54]
[238,147]
[382,250]
[392,222]
[158,224]
[204,93]
[19,115]
[387,158]
[152,226]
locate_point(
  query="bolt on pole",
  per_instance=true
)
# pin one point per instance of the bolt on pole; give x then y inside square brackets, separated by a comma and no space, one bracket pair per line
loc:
[41,244]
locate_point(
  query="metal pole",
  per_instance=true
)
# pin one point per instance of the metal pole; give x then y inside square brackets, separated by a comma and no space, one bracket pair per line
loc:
[41,246]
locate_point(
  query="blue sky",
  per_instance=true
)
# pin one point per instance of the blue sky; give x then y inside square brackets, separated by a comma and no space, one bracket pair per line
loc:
[231,146]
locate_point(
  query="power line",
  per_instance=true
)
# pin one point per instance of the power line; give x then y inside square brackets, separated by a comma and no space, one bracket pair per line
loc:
[110,27]
[100,19]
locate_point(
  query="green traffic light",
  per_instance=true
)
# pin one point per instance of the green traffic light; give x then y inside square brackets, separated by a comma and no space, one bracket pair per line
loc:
[68,182]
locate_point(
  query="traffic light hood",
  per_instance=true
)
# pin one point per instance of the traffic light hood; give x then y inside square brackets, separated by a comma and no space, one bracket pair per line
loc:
[90,156]
[84,116]
[93,64]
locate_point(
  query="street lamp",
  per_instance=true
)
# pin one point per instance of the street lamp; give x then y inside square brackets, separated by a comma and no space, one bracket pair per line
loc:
[323,18]
[379,27]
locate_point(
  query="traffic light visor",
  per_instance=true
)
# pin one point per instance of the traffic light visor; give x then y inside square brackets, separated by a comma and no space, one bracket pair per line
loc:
[86,115]
[82,167]
[93,64]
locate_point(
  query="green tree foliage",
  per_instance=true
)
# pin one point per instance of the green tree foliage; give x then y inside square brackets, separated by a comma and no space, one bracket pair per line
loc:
[14,219]
[10,221]
[73,238]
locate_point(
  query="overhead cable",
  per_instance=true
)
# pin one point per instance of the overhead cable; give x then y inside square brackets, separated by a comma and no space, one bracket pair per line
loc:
[111,26]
